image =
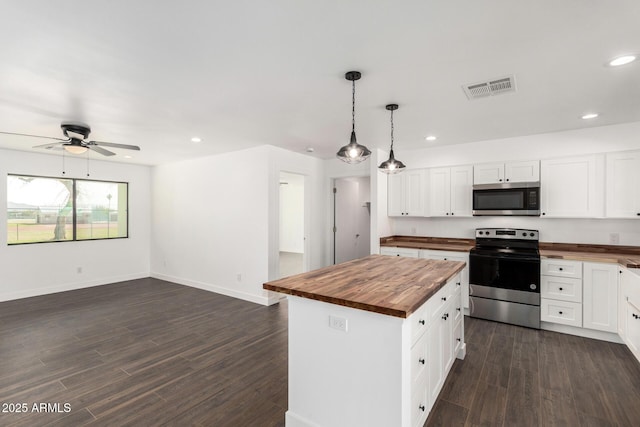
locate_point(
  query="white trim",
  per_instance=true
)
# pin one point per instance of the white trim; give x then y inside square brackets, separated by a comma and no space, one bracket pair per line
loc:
[581,332]
[258,299]
[293,420]
[70,286]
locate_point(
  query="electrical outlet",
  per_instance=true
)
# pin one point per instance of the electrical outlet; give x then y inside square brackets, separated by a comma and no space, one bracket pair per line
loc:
[239,277]
[339,323]
[79,270]
[413,231]
[614,238]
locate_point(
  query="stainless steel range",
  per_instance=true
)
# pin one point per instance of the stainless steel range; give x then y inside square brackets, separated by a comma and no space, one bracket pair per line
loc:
[504,276]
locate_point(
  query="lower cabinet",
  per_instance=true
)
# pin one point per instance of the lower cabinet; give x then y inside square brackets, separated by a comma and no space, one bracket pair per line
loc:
[600,296]
[453,256]
[629,310]
[440,322]
[393,251]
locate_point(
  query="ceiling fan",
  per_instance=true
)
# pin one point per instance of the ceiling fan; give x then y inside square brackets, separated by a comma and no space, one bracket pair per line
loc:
[76,140]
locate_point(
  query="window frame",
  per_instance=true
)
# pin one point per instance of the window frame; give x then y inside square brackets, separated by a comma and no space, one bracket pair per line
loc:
[74,195]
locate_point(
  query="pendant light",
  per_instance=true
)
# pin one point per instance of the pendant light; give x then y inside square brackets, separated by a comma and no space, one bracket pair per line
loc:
[353,152]
[392,165]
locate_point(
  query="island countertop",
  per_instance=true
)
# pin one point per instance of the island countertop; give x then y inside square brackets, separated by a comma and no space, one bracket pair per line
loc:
[395,286]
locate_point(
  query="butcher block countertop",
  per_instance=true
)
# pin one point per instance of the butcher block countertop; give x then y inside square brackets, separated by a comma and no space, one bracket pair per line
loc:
[626,256]
[436,243]
[395,286]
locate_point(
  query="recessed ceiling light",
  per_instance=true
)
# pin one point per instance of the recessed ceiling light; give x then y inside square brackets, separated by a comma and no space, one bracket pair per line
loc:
[430,138]
[622,60]
[127,157]
[310,149]
[590,116]
[196,139]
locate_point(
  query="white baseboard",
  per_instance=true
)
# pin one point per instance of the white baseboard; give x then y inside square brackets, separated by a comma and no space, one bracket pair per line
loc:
[273,298]
[28,293]
[581,332]
[293,420]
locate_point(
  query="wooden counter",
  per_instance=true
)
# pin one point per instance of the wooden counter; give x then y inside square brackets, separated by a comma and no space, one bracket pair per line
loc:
[395,286]
[436,243]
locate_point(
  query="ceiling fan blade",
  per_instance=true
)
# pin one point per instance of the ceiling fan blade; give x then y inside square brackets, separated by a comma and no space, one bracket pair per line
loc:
[32,136]
[111,144]
[49,146]
[100,150]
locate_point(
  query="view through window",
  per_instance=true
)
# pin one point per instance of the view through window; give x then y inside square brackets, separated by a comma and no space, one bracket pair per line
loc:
[42,209]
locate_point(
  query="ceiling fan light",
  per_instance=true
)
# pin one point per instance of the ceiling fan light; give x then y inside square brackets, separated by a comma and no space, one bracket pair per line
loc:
[75,149]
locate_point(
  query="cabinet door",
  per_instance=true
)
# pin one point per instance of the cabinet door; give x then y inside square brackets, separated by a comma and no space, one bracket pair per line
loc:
[623,191]
[395,195]
[439,191]
[488,173]
[414,193]
[435,363]
[600,298]
[461,190]
[633,329]
[447,338]
[528,171]
[572,187]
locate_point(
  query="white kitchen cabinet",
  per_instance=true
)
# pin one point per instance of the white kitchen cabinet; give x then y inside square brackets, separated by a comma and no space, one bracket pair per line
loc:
[453,256]
[572,187]
[622,189]
[629,309]
[393,251]
[495,173]
[600,296]
[406,193]
[450,191]
[561,292]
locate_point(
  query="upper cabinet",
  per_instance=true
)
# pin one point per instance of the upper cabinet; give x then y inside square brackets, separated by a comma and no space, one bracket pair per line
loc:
[495,173]
[406,193]
[450,191]
[572,187]
[623,189]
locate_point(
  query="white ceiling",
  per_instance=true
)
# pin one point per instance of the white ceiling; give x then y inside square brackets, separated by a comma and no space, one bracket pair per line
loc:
[244,73]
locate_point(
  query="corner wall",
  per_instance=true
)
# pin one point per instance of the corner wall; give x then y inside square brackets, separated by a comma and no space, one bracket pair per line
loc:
[43,268]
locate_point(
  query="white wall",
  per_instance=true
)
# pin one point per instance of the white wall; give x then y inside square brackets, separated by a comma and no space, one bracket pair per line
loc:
[560,144]
[215,220]
[36,269]
[291,212]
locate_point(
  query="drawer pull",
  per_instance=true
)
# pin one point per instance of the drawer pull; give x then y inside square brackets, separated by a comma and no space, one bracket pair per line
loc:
[560,268]
[421,360]
[422,408]
[560,289]
[457,283]
[459,339]
[445,316]
[635,316]
[444,298]
[422,322]
[559,312]
[458,308]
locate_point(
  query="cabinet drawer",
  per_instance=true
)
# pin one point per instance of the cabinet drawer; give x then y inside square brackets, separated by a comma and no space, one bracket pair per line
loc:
[419,322]
[561,268]
[562,312]
[456,309]
[437,302]
[561,288]
[393,251]
[419,403]
[457,338]
[419,361]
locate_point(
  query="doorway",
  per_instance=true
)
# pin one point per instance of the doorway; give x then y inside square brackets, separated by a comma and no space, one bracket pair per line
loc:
[292,241]
[351,218]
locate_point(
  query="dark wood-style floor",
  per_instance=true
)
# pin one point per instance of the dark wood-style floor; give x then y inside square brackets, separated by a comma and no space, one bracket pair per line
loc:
[152,353]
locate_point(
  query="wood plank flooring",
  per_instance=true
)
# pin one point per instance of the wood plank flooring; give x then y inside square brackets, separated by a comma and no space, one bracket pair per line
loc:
[153,353]
[515,376]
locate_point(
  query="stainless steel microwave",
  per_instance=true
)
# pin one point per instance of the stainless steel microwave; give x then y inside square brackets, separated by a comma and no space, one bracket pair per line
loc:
[509,198]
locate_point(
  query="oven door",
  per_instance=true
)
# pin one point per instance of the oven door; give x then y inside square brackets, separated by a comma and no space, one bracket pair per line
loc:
[520,272]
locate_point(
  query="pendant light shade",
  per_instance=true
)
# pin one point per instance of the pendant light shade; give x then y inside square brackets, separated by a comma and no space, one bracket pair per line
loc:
[353,152]
[392,165]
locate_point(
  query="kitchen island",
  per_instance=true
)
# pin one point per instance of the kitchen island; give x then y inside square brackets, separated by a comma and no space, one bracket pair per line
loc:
[371,341]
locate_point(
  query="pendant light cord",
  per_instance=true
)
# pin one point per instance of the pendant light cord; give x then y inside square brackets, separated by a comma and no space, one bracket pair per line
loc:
[353,106]
[391,130]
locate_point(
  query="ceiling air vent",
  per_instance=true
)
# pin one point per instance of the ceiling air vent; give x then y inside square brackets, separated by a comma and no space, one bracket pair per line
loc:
[490,88]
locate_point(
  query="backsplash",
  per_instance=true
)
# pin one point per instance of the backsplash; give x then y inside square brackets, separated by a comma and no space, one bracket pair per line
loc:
[566,230]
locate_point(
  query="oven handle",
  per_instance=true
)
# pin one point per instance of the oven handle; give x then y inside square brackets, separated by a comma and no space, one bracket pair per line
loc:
[471,303]
[510,257]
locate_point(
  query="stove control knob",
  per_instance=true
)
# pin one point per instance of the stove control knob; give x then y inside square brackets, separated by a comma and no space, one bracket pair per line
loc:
[524,234]
[533,287]
[531,234]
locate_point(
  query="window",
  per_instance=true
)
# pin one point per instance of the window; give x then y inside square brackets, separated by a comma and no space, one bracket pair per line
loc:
[42,209]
